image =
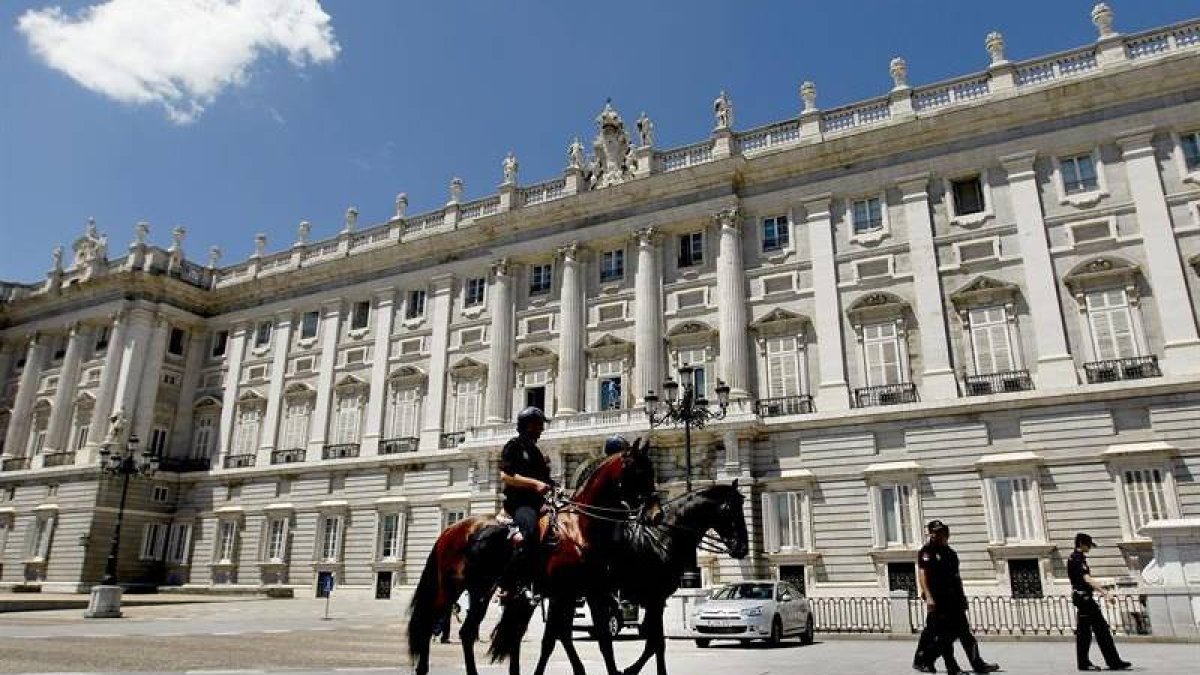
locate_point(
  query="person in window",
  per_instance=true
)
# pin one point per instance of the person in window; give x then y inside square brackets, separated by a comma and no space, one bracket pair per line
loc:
[525,474]
[1088,617]
[941,588]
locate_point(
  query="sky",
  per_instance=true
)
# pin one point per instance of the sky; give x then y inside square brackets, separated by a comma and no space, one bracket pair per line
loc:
[234,117]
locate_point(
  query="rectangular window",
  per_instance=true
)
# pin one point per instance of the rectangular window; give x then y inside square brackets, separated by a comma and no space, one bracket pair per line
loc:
[535,397]
[1112,324]
[348,419]
[389,536]
[1025,579]
[691,249]
[203,436]
[697,358]
[295,425]
[405,413]
[902,576]
[161,494]
[308,325]
[219,340]
[868,214]
[540,279]
[81,436]
[784,526]
[612,266]
[226,541]
[415,306]
[178,544]
[39,542]
[360,316]
[881,349]
[466,404]
[1191,150]
[262,333]
[158,441]
[249,422]
[331,538]
[895,506]
[154,539]
[1145,496]
[989,340]
[276,540]
[474,292]
[102,334]
[776,233]
[968,196]
[37,441]
[783,367]
[452,516]
[610,393]
[1078,174]
[175,342]
[1015,499]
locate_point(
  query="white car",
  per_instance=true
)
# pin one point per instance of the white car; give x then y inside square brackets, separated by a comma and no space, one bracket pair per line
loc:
[754,610]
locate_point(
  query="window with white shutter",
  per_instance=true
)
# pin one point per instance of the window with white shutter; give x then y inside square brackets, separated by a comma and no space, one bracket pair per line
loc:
[178,543]
[295,424]
[331,538]
[38,548]
[783,522]
[881,351]
[391,529]
[697,358]
[249,427]
[404,413]
[227,531]
[894,515]
[154,540]
[466,404]
[990,343]
[1112,325]
[1145,496]
[348,419]
[783,367]
[276,540]
[203,436]
[1017,515]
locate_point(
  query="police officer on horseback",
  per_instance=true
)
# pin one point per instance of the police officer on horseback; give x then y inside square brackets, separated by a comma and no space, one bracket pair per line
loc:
[525,473]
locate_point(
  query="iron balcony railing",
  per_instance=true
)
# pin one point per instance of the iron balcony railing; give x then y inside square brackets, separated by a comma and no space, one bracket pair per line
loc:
[1114,370]
[1049,615]
[14,464]
[287,456]
[851,614]
[452,440]
[59,459]
[339,451]
[184,464]
[239,461]
[885,394]
[785,405]
[999,383]
[396,446]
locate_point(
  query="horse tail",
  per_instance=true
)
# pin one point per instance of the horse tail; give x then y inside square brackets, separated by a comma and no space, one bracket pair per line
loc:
[423,611]
[510,630]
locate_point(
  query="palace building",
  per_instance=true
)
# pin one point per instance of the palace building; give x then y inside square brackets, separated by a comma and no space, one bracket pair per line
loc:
[974,300]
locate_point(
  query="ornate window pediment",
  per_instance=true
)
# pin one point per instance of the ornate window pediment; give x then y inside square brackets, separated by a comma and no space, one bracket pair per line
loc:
[984,291]
[874,307]
[779,322]
[609,347]
[350,383]
[251,398]
[468,368]
[535,357]
[206,404]
[1106,271]
[407,377]
[299,390]
[691,333]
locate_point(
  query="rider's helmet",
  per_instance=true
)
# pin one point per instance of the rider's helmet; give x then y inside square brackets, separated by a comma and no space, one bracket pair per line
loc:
[615,444]
[528,415]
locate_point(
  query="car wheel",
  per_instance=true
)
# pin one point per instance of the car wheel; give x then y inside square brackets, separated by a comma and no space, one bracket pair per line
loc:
[776,633]
[614,626]
[810,629]
[703,642]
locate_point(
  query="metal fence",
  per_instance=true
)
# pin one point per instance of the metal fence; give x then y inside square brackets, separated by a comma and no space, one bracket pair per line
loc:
[851,614]
[1050,615]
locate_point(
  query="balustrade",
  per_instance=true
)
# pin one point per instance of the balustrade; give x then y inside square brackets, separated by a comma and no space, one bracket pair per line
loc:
[1114,370]
[14,464]
[59,459]
[338,451]
[785,405]
[292,456]
[885,394]
[239,461]
[998,383]
[451,440]
[396,446]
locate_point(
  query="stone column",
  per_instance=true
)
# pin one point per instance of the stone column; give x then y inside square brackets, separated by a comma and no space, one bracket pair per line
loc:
[58,432]
[281,341]
[832,391]
[234,353]
[937,378]
[500,350]
[18,424]
[106,394]
[133,364]
[1181,344]
[151,377]
[648,340]
[1055,367]
[181,429]
[731,307]
[385,312]
[331,318]
[437,307]
[570,333]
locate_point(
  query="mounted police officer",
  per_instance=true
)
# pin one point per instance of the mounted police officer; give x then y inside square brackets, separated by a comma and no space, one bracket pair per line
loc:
[1088,616]
[525,473]
[946,603]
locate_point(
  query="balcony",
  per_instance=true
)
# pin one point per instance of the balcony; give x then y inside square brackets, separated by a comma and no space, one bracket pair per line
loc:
[288,456]
[397,446]
[239,461]
[1114,370]
[337,451]
[451,440]
[885,394]
[185,464]
[58,459]
[14,464]
[999,383]
[784,405]
[591,421]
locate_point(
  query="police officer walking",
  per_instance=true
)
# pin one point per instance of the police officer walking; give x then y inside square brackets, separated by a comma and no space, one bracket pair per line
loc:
[525,473]
[941,588]
[1089,619]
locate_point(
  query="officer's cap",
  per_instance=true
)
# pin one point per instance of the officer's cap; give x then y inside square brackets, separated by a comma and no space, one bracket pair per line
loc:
[1084,539]
[936,526]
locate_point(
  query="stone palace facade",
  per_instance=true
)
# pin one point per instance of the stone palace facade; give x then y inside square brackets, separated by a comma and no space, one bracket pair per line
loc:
[974,300]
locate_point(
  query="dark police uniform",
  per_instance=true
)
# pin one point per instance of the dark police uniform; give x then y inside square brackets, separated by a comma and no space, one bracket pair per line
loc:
[1089,619]
[521,457]
[948,620]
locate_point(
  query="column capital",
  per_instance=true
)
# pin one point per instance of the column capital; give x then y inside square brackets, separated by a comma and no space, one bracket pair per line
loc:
[914,186]
[1019,166]
[442,283]
[500,268]
[1136,141]
[284,316]
[818,207]
[385,296]
[647,237]
[240,327]
[728,218]
[333,307]
[570,253]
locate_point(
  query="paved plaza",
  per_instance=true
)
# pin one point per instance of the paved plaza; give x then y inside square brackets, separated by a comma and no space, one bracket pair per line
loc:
[365,636]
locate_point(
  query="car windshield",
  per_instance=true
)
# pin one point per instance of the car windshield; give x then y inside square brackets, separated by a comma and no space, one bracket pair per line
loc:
[744,592]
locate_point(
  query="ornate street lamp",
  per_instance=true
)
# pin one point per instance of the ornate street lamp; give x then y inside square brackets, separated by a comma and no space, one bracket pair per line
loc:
[690,411]
[106,598]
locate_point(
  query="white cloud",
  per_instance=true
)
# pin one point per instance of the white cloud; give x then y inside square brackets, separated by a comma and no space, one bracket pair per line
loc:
[176,53]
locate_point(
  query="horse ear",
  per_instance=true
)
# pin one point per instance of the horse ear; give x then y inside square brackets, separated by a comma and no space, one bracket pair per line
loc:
[735,483]
[636,448]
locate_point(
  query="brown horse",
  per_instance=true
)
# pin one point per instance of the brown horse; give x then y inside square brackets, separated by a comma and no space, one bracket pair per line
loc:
[471,556]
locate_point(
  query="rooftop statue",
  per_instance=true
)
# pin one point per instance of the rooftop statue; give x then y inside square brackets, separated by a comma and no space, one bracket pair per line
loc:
[613,164]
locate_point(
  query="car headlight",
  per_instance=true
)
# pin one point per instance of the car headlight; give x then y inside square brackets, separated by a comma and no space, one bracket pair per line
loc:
[753,611]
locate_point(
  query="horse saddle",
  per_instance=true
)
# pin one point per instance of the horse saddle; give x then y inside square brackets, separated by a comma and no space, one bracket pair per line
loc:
[547,525]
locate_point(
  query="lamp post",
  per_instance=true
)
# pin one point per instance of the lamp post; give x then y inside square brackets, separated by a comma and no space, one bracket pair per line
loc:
[690,410]
[106,598]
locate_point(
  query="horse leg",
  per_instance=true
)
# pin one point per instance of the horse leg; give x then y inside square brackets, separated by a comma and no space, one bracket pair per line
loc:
[660,642]
[567,636]
[549,639]
[653,630]
[469,633]
[597,601]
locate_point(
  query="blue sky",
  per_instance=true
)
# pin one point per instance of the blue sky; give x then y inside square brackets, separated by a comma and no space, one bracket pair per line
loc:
[402,96]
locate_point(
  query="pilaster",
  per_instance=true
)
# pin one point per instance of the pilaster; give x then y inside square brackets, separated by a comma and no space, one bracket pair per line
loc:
[570,333]
[731,309]
[149,380]
[500,349]
[18,425]
[233,376]
[181,429]
[1055,366]
[1164,267]
[281,341]
[648,340]
[937,378]
[441,288]
[133,365]
[114,354]
[331,318]
[64,397]
[385,313]
[832,390]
